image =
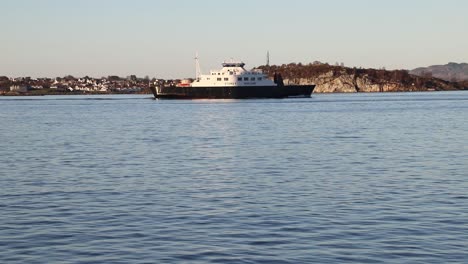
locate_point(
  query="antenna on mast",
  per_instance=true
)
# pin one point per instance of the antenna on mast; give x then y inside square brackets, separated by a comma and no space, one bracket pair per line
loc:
[268,58]
[197,67]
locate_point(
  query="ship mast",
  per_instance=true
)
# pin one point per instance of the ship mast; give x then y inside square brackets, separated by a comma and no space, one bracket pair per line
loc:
[197,67]
[268,58]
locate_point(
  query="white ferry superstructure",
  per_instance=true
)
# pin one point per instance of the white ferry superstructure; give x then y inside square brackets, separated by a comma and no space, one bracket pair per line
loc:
[232,81]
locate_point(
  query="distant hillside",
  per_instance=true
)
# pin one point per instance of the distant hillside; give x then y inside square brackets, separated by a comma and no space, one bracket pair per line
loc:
[454,72]
[330,79]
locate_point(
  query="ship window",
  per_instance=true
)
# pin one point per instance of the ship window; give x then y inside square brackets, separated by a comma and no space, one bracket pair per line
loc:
[219,73]
[252,79]
[219,79]
[231,73]
[259,78]
[239,78]
[246,78]
[226,79]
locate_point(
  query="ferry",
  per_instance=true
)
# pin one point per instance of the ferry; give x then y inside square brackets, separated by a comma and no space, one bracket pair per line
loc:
[233,81]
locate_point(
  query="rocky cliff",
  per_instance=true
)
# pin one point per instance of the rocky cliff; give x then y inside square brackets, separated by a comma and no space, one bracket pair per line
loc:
[332,79]
[351,83]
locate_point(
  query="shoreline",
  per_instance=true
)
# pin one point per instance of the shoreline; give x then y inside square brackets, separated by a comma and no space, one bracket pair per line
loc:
[13,94]
[16,94]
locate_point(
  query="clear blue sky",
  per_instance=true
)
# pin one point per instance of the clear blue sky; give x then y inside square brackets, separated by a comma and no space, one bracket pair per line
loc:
[159,38]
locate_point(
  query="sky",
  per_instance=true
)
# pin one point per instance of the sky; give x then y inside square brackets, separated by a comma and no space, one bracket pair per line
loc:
[159,38]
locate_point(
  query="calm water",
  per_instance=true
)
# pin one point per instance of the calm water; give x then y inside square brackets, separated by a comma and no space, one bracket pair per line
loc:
[362,178]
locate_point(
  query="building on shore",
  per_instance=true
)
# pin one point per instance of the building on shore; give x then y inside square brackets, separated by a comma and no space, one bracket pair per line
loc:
[19,88]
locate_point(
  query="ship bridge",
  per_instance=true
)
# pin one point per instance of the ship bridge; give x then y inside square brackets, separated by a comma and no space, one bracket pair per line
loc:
[233,73]
[233,64]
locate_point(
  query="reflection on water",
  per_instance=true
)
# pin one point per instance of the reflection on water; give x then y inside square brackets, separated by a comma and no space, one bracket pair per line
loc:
[329,179]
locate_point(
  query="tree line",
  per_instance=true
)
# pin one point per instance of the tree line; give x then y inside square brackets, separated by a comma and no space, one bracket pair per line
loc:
[316,69]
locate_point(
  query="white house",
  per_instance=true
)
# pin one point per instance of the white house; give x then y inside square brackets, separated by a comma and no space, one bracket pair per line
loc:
[19,88]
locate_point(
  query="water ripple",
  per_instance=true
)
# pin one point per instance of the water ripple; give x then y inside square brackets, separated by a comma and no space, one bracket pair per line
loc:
[366,178]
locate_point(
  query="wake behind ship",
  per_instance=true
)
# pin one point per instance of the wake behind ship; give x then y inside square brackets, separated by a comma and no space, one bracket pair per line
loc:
[232,82]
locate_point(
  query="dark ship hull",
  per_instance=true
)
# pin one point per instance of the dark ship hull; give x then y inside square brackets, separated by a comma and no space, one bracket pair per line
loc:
[232,92]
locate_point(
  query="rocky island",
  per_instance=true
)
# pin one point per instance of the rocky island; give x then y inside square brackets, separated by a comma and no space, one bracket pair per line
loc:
[337,78]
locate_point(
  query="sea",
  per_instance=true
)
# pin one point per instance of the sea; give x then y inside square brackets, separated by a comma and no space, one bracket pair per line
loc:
[335,178]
